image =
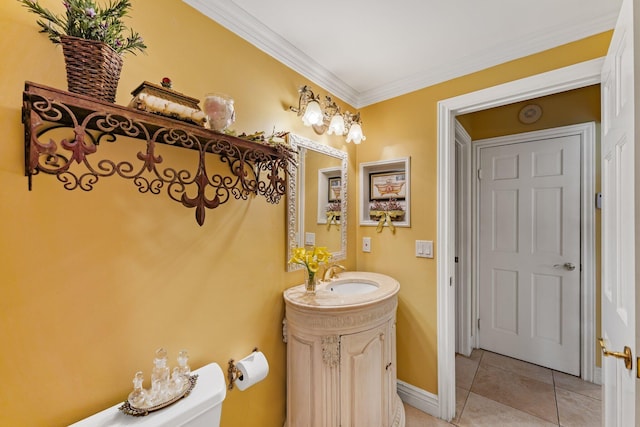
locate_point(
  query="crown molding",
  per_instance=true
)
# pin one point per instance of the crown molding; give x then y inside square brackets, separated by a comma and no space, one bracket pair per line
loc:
[243,24]
[238,21]
[495,55]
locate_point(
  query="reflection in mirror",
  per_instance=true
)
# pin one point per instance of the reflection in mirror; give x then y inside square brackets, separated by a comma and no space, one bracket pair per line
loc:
[317,199]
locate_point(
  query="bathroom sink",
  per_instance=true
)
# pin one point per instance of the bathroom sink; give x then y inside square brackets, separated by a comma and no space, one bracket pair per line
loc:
[352,287]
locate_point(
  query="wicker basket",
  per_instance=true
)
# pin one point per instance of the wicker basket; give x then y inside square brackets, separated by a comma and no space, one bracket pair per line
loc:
[93,67]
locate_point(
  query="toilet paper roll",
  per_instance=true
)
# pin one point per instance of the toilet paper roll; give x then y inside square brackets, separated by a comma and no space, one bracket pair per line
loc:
[253,368]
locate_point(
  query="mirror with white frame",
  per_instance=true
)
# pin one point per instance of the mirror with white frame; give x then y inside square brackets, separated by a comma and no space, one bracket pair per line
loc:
[317,199]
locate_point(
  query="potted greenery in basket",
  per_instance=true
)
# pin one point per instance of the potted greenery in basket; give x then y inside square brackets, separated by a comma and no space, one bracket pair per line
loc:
[93,40]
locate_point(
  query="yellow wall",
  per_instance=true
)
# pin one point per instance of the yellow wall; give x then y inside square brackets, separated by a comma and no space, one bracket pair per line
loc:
[406,126]
[560,109]
[92,283]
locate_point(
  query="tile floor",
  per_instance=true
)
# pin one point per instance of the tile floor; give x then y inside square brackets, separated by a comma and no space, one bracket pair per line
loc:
[494,390]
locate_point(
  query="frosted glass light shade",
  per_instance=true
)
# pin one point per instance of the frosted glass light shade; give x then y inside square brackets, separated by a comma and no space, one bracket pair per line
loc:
[355,134]
[312,114]
[336,126]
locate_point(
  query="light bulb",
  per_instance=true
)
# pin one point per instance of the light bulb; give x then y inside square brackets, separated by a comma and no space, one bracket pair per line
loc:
[355,134]
[312,114]
[336,126]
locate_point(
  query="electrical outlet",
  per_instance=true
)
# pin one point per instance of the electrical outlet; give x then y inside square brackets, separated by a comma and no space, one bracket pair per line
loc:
[366,244]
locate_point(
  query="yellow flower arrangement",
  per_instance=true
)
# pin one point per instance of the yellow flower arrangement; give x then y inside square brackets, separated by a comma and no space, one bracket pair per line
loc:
[311,258]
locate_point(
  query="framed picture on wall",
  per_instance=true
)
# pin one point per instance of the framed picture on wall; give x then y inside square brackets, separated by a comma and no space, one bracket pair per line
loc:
[387,185]
[386,188]
[335,187]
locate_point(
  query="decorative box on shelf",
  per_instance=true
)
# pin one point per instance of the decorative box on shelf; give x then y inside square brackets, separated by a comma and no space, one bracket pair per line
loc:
[167,102]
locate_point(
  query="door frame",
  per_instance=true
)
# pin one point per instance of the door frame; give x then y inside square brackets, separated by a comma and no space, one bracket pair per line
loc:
[465,332]
[563,79]
[587,133]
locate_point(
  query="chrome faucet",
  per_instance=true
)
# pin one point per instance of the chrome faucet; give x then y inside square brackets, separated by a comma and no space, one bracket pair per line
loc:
[332,271]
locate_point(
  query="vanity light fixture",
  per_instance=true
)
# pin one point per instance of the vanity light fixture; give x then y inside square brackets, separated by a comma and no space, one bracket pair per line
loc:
[327,118]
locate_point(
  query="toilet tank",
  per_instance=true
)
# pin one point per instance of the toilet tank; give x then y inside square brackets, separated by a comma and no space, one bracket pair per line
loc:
[202,408]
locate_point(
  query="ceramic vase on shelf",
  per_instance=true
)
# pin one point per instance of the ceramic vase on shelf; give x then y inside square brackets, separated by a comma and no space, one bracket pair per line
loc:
[310,282]
[220,111]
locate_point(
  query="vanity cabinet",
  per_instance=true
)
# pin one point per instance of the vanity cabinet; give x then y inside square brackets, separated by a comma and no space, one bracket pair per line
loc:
[341,361]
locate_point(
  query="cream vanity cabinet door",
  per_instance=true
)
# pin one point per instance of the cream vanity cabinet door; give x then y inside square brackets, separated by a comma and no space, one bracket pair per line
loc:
[366,363]
[312,398]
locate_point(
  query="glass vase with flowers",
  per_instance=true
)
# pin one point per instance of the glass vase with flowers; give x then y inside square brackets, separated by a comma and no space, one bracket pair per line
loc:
[311,259]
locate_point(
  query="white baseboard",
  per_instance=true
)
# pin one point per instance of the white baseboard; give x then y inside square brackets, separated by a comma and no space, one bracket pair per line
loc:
[418,398]
[597,375]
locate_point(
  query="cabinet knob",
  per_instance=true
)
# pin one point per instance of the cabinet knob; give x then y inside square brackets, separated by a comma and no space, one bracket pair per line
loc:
[388,366]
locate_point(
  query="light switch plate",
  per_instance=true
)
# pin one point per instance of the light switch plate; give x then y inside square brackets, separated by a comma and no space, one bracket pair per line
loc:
[424,248]
[310,239]
[366,244]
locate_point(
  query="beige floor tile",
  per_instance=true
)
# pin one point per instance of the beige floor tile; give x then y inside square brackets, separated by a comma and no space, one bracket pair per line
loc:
[518,366]
[465,371]
[416,418]
[461,399]
[482,412]
[577,385]
[520,392]
[577,410]
[509,392]
[476,354]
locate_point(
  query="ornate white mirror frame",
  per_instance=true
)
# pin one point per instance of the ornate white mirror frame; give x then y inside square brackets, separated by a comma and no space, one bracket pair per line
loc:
[296,193]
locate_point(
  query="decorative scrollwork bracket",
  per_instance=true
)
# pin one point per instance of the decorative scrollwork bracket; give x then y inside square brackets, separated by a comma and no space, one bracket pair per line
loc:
[63,133]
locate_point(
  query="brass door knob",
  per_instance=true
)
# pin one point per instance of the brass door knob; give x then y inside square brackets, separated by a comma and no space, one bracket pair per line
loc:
[626,354]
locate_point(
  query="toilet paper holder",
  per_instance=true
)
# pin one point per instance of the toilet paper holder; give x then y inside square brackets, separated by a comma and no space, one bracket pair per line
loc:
[233,373]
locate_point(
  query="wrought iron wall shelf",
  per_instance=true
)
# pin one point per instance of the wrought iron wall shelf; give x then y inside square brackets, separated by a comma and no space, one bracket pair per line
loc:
[81,124]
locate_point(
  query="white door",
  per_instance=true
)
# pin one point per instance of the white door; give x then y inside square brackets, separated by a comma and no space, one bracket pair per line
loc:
[529,251]
[619,185]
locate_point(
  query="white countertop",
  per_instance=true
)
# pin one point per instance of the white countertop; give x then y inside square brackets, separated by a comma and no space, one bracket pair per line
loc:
[324,298]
